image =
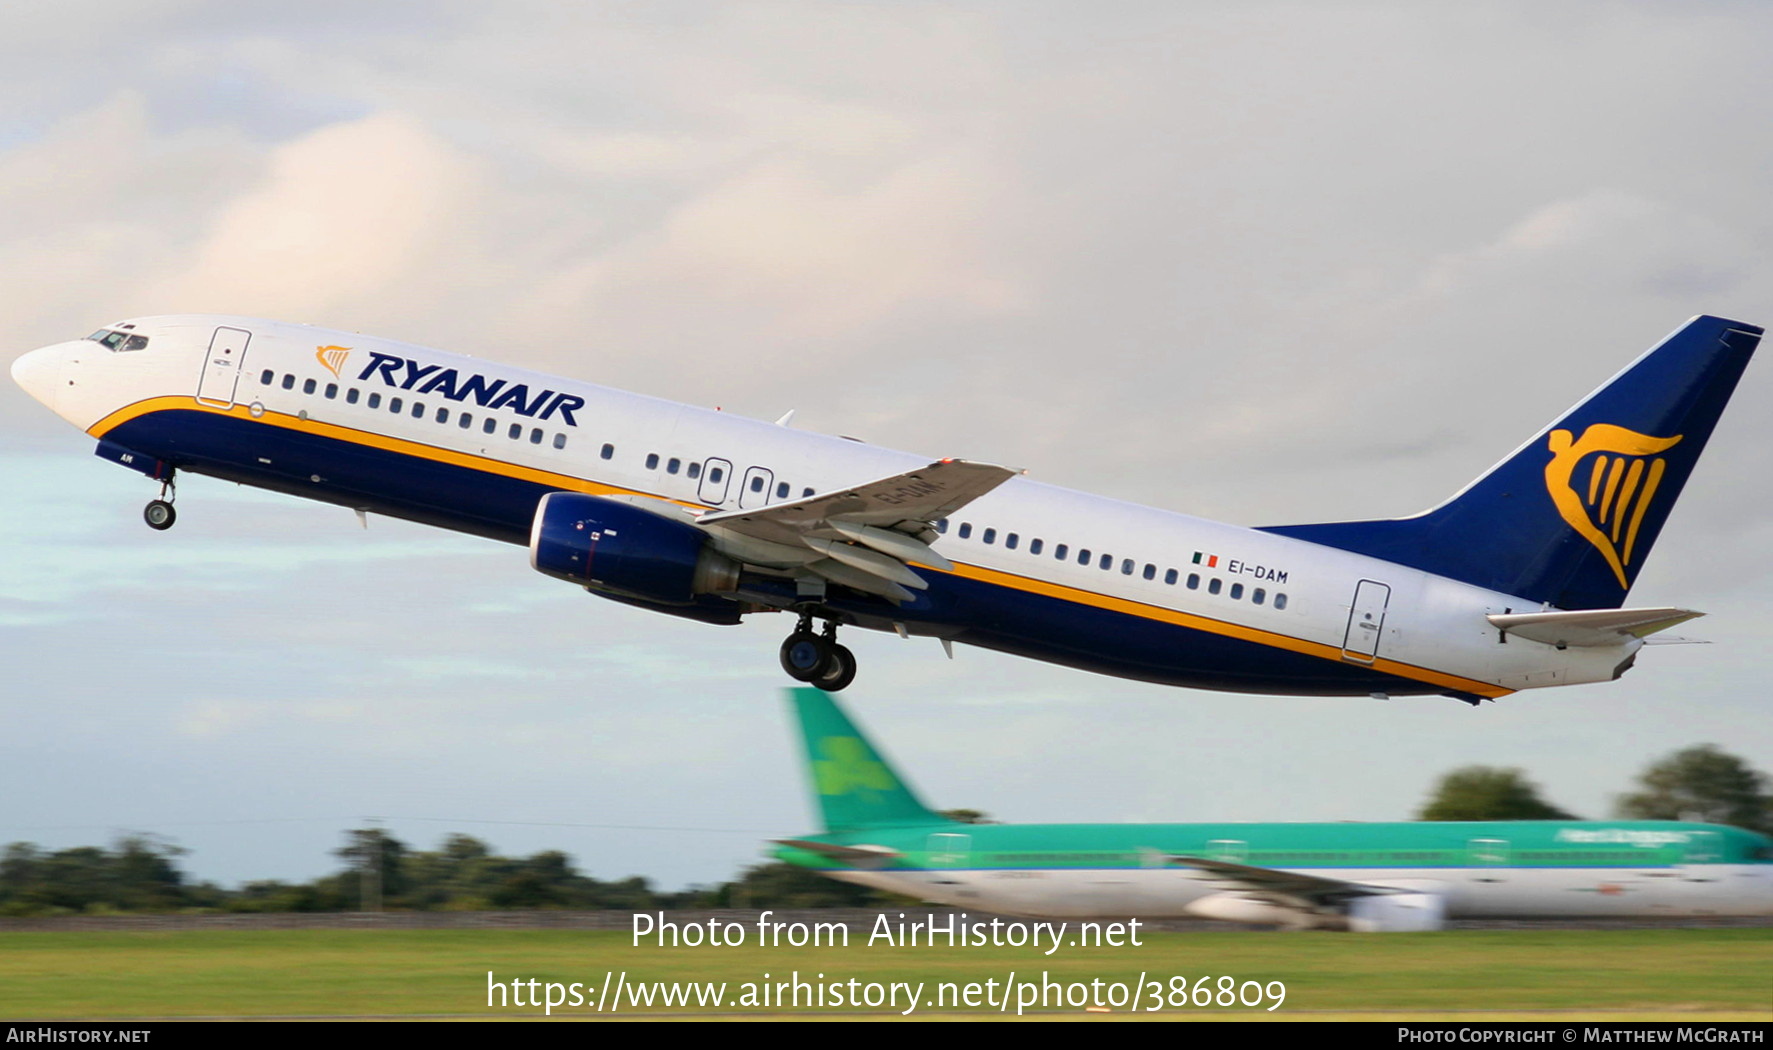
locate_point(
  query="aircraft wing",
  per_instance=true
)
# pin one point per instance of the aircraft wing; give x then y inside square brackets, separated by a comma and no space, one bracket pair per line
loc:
[1284,886]
[862,537]
[1591,627]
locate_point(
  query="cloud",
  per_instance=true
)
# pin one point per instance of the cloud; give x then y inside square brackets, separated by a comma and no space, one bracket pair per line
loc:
[350,214]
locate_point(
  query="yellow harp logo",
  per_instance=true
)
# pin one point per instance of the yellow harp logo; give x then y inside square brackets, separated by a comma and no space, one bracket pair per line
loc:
[1605,501]
[333,357]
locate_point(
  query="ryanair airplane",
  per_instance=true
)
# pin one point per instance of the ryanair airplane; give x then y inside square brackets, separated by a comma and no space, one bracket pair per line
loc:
[1516,582]
[1366,877]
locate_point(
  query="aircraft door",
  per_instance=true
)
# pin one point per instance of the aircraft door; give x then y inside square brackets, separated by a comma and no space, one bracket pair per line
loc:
[1366,621]
[221,366]
[717,477]
[1488,859]
[755,492]
[949,850]
[1231,851]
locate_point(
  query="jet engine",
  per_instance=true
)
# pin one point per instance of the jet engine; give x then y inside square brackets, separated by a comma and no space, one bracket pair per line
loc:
[627,552]
[1379,913]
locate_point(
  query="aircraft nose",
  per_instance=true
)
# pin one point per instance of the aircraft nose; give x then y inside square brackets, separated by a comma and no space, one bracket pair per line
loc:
[38,373]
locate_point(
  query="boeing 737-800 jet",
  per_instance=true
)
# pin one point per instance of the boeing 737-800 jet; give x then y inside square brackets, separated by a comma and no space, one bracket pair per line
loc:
[1329,876]
[1515,583]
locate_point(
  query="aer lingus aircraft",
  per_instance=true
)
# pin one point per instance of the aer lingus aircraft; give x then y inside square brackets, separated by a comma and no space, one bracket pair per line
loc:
[1366,877]
[1516,582]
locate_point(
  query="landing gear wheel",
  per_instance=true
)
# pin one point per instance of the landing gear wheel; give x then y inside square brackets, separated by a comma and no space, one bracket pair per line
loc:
[840,670]
[805,655]
[159,515]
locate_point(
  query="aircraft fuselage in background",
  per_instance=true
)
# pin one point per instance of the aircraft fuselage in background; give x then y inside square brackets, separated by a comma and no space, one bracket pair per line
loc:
[1372,877]
[703,514]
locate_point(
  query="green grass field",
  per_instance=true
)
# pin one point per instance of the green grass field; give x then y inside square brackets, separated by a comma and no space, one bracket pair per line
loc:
[1692,975]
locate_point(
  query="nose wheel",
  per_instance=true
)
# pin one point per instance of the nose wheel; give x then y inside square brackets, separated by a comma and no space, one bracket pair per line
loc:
[817,659]
[159,513]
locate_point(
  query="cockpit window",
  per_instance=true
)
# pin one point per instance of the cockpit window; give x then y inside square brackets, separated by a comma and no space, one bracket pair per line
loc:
[119,342]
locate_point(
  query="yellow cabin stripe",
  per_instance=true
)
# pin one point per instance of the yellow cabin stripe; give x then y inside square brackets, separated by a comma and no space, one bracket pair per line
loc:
[567,482]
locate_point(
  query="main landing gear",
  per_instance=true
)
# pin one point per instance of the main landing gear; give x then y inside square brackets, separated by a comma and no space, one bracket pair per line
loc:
[159,513]
[817,659]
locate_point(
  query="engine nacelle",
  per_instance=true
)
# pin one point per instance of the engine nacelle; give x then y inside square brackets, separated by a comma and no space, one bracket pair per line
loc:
[607,545]
[1238,907]
[1397,913]
[1380,913]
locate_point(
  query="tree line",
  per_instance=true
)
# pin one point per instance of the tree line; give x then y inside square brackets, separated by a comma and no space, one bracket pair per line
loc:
[140,873]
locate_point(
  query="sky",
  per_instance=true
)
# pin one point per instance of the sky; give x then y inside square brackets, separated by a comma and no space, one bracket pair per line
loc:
[1259,262]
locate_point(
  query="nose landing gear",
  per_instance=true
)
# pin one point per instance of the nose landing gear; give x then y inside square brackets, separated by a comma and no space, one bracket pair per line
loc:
[159,513]
[817,659]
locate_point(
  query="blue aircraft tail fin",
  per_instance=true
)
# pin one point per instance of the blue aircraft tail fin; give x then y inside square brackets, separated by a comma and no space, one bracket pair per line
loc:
[1570,516]
[853,785]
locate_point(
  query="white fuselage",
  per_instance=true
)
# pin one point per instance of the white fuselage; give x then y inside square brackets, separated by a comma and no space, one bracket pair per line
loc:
[1267,613]
[1468,893]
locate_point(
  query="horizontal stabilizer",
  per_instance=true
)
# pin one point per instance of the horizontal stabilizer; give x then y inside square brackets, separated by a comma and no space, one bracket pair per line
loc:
[857,855]
[1586,628]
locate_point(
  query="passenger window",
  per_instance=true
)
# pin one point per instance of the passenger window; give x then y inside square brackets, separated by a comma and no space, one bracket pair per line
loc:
[1194,581]
[308,386]
[535,436]
[1061,551]
[1150,571]
[1280,600]
[673,465]
[351,396]
[757,483]
[375,401]
[942,526]
[332,391]
[418,410]
[694,471]
[1258,595]
[781,490]
[1083,555]
[515,432]
[804,493]
[715,474]
[442,415]
[465,420]
[607,451]
[966,529]
[1213,585]
[1170,576]
[1106,563]
[490,426]
[394,405]
[1237,590]
[1035,546]
[652,461]
[1010,541]
[990,536]
[266,377]
[560,440]
[288,381]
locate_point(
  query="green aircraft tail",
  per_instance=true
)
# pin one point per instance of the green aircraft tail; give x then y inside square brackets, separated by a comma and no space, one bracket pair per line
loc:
[853,785]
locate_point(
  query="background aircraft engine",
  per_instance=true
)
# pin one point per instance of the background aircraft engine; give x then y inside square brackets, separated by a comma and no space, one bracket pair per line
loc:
[1240,907]
[1397,913]
[1380,913]
[606,545]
